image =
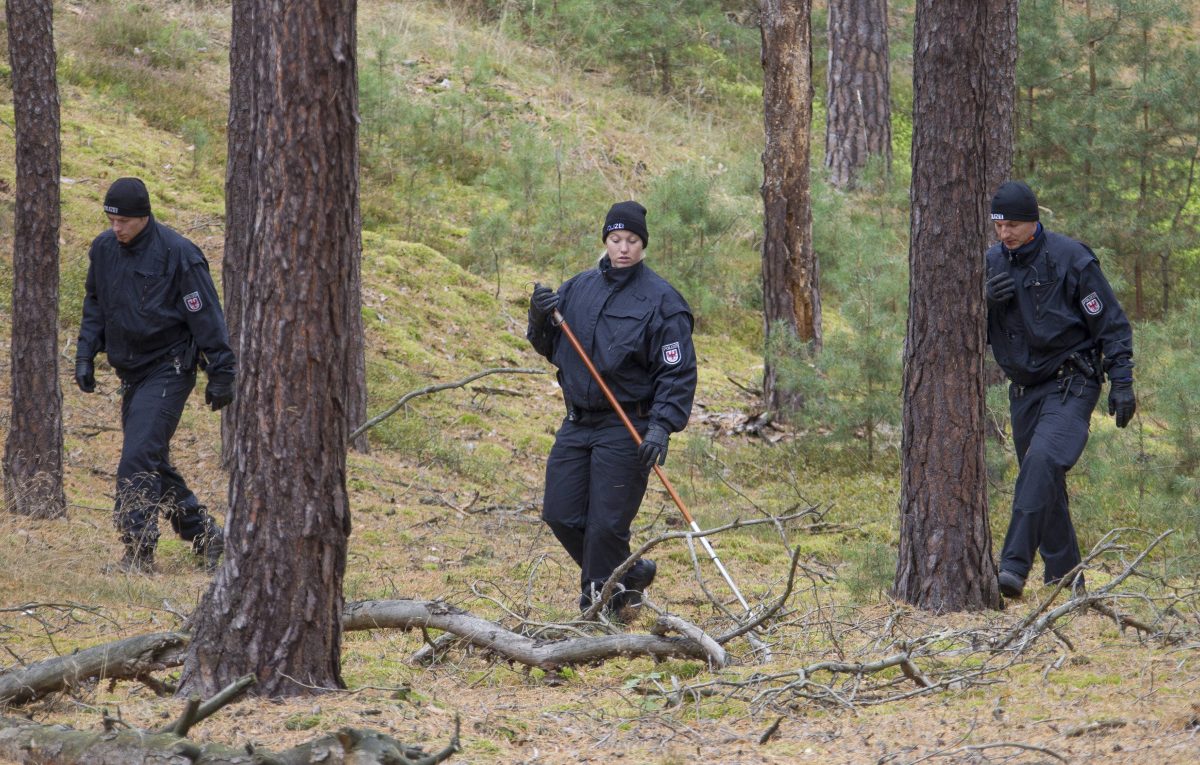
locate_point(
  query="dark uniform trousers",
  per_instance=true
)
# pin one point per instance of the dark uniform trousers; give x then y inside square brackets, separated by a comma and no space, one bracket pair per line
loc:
[594,486]
[1050,428]
[146,480]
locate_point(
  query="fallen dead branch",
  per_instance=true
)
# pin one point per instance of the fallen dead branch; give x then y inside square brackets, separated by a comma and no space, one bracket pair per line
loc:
[547,655]
[612,585]
[122,660]
[29,743]
[134,658]
[434,389]
[1033,625]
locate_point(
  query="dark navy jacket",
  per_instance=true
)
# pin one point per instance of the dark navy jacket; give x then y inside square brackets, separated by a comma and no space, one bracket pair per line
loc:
[1062,304]
[149,300]
[637,329]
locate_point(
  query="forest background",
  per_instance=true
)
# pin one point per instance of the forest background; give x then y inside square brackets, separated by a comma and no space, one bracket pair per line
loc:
[494,136]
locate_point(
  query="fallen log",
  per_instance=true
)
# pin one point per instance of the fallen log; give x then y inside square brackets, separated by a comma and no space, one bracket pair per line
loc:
[134,658]
[122,660]
[29,743]
[546,655]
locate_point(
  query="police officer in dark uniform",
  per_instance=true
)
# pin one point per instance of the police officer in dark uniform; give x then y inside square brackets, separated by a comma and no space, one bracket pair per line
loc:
[637,329]
[1056,329]
[151,306]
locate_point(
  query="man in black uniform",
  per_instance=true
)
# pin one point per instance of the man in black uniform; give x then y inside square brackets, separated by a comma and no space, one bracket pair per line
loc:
[637,330]
[151,306]
[1056,329]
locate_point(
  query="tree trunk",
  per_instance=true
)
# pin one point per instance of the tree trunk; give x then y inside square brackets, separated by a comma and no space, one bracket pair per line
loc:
[33,474]
[945,561]
[1000,103]
[859,121]
[274,609]
[791,300]
[240,180]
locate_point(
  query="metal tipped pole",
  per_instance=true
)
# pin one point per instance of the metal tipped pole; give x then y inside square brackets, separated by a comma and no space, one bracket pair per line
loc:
[637,439]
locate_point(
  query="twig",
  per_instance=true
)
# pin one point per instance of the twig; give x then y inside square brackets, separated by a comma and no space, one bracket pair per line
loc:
[434,389]
[610,586]
[996,745]
[770,732]
[669,622]
[195,712]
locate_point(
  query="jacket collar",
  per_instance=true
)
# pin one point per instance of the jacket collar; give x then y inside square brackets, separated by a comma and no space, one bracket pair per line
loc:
[619,276]
[140,242]
[1027,251]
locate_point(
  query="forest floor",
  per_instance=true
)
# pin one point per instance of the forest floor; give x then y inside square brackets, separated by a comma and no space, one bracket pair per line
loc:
[1087,692]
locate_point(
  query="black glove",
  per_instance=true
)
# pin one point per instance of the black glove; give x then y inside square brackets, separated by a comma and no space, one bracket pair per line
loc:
[85,375]
[1000,288]
[542,303]
[654,446]
[219,393]
[1121,400]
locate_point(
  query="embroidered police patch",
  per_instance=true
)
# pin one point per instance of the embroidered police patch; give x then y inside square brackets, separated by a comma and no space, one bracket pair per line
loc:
[193,302]
[1092,305]
[671,353]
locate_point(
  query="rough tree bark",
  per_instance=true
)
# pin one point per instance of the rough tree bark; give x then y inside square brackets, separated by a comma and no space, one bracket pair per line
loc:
[1000,102]
[859,121]
[240,193]
[33,480]
[945,561]
[791,299]
[274,608]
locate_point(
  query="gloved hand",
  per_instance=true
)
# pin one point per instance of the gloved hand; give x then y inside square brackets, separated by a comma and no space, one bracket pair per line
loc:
[1000,288]
[542,303]
[654,446]
[1121,400]
[85,375]
[219,393]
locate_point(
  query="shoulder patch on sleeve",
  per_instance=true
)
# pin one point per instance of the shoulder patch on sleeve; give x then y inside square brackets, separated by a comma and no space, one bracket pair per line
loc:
[192,302]
[1092,305]
[671,354]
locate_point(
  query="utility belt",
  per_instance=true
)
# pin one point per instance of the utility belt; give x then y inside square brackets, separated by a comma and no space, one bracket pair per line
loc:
[581,416]
[1081,363]
[1078,367]
[182,356]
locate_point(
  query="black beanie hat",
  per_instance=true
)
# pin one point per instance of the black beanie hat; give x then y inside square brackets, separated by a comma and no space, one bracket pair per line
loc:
[1014,200]
[128,198]
[629,216]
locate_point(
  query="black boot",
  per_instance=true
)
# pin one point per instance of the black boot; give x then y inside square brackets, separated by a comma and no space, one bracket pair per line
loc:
[209,547]
[137,560]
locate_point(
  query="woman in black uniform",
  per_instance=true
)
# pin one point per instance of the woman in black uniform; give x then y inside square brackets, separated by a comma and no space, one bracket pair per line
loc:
[637,330]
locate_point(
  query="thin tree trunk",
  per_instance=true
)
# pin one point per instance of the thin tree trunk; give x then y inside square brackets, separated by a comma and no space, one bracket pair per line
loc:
[859,121]
[274,608]
[945,561]
[33,470]
[791,299]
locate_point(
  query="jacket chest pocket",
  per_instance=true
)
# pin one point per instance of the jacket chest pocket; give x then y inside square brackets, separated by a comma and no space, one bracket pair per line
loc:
[1042,292]
[624,328]
[152,290]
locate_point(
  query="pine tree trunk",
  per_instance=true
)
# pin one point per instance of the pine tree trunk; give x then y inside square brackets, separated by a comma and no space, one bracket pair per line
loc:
[859,121]
[274,608]
[33,468]
[945,561]
[791,300]
[239,193]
